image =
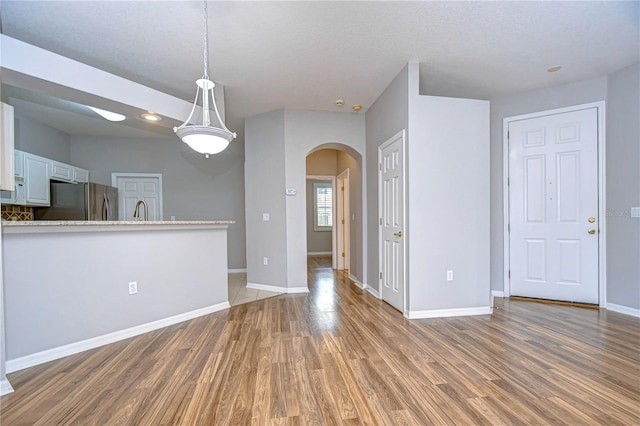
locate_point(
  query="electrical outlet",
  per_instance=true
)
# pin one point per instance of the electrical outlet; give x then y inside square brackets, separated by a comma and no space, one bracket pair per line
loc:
[265,217]
[449,275]
[133,287]
[265,260]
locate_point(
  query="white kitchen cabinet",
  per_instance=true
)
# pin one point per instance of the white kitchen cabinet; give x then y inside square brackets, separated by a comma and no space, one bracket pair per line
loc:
[6,147]
[60,171]
[36,179]
[67,173]
[80,175]
[18,163]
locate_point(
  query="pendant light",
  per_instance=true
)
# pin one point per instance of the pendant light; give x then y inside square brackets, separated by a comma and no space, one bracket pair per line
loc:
[205,138]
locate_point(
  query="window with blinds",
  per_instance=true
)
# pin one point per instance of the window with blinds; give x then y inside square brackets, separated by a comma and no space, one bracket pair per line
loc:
[323,206]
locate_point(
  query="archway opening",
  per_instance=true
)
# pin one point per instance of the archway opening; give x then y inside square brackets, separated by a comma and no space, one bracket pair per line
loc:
[334,208]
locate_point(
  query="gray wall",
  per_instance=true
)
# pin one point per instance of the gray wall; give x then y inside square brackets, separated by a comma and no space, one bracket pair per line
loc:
[278,144]
[388,115]
[448,202]
[194,188]
[3,378]
[37,138]
[265,193]
[81,292]
[523,103]
[317,241]
[623,187]
[306,131]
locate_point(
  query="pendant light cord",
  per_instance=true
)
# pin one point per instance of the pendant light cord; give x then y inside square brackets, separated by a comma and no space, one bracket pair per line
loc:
[206,37]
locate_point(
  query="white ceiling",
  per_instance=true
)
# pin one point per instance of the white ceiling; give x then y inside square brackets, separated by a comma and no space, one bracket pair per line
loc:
[304,55]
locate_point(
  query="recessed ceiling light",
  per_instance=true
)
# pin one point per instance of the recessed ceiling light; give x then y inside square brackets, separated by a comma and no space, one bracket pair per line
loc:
[151,116]
[356,107]
[554,69]
[107,115]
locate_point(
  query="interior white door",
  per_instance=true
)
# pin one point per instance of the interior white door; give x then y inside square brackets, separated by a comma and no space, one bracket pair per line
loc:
[553,206]
[391,196]
[135,187]
[342,207]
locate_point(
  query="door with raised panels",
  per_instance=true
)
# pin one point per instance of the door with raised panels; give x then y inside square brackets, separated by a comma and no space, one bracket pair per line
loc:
[553,206]
[136,187]
[391,214]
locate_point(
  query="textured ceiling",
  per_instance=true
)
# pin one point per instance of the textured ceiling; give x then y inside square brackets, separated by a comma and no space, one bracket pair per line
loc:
[304,55]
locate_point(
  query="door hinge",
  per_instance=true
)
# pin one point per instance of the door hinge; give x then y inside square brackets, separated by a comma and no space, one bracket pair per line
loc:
[343,221]
[509,274]
[508,181]
[380,275]
[508,227]
[342,254]
[507,135]
[380,166]
[342,188]
[380,221]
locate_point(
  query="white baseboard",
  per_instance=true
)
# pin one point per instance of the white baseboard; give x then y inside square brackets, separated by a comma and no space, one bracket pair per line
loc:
[373,291]
[277,289]
[456,312]
[5,387]
[497,293]
[74,348]
[357,282]
[623,309]
[237,271]
[319,253]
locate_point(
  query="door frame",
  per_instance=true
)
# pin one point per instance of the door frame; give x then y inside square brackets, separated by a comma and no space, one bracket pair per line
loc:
[602,255]
[343,213]
[402,135]
[114,182]
[334,243]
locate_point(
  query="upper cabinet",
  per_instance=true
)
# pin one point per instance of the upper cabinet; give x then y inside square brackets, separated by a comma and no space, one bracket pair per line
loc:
[80,175]
[36,179]
[66,173]
[6,147]
[35,173]
[61,171]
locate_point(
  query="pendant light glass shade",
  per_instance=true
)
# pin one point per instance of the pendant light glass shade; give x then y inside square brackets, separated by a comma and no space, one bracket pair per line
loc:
[205,138]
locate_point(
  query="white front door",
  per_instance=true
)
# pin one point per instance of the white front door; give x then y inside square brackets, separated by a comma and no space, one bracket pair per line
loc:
[135,187]
[342,208]
[391,214]
[553,206]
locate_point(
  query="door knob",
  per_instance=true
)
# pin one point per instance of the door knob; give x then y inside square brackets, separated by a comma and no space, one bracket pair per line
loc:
[398,234]
[591,231]
[591,219]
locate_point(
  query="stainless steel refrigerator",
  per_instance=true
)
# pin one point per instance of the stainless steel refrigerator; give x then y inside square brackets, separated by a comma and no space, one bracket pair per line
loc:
[82,201]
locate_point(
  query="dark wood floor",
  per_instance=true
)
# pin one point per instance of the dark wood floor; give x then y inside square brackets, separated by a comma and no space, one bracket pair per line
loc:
[338,356]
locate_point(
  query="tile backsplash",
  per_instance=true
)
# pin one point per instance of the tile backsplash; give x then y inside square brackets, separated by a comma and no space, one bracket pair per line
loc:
[16,212]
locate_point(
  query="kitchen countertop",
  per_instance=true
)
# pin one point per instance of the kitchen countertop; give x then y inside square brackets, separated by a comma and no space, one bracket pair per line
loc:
[66,226]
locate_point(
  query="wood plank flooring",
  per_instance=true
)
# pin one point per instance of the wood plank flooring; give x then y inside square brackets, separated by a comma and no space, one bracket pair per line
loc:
[341,356]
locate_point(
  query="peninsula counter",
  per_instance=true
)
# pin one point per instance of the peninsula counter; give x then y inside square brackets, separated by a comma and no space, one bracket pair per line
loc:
[67,283]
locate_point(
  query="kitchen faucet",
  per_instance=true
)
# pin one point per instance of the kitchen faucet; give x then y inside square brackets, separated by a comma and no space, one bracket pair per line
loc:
[136,212]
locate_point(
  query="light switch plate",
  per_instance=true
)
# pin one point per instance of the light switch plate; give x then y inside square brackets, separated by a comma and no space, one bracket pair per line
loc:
[635,211]
[291,191]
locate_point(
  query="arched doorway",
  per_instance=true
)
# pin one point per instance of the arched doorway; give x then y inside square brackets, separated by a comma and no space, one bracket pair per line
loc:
[334,176]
